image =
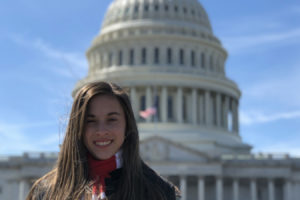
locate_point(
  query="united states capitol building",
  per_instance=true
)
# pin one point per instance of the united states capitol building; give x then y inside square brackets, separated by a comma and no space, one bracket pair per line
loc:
[165,53]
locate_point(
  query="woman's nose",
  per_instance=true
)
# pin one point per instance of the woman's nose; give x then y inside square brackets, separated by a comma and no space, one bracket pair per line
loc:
[101,128]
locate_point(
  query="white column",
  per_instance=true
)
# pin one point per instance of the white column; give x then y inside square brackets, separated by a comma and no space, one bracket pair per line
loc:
[126,57]
[148,100]
[133,98]
[137,56]
[207,104]
[218,109]
[194,106]
[225,113]
[235,116]
[183,187]
[253,189]
[23,189]
[235,189]
[271,189]
[164,103]
[201,109]
[179,105]
[201,188]
[219,188]
[287,190]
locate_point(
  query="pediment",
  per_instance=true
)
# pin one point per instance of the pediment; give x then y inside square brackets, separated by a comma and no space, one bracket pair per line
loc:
[158,148]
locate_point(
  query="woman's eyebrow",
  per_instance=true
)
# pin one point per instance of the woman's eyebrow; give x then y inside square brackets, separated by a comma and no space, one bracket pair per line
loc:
[113,113]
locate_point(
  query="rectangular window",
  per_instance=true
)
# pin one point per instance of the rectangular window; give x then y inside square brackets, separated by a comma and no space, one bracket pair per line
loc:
[144,56]
[110,59]
[169,56]
[202,60]
[120,61]
[181,57]
[166,7]
[156,56]
[170,108]
[131,57]
[193,59]
[136,8]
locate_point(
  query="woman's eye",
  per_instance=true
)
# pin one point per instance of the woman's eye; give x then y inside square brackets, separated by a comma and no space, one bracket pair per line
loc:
[112,119]
[90,121]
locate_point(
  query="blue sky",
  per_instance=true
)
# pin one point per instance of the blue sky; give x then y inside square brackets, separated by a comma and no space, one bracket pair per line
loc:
[42,51]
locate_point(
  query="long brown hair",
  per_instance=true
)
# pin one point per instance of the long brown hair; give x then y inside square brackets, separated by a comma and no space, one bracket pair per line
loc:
[69,178]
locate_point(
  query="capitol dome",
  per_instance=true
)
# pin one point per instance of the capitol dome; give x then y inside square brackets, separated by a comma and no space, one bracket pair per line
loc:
[166,54]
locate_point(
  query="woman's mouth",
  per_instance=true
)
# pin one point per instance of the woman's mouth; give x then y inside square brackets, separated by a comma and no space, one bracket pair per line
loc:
[102,143]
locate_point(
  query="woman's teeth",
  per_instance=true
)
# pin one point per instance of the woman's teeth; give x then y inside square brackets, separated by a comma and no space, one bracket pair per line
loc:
[103,143]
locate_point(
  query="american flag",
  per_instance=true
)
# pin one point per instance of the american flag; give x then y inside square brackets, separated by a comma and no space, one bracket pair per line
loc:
[148,112]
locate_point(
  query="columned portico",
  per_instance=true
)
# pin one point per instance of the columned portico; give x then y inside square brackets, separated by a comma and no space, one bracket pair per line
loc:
[179,105]
[253,189]
[219,188]
[235,189]
[207,103]
[271,189]
[201,188]
[23,189]
[164,103]
[148,100]
[183,187]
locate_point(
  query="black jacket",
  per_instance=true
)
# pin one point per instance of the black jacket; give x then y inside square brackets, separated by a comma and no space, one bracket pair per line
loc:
[170,191]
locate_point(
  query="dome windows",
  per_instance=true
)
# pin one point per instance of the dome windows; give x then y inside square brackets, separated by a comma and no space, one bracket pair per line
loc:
[131,57]
[169,56]
[181,57]
[136,8]
[146,7]
[120,58]
[193,63]
[190,58]
[156,55]
[144,56]
[166,8]
[156,7]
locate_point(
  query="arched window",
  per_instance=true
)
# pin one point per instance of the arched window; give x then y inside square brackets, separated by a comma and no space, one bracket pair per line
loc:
[146,7]
[156,56]
[184,10]
[193,59]
[181,57]
[166,8]
[176,9]
[169,56]
[110,59]
[202,60]
[120,60]
[144,56]
[170,108]
[211,63]
[156,7]
[136,8]
[131,57]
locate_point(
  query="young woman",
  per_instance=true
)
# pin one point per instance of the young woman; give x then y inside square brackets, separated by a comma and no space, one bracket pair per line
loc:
[99,157]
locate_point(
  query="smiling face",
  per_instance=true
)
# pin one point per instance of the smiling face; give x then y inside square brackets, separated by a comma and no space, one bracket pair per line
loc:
[105,126]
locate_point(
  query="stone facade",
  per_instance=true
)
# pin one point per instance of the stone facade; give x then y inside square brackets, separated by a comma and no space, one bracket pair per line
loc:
[165,53]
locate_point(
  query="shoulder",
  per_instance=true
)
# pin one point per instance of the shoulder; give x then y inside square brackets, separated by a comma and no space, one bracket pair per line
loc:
[168,188]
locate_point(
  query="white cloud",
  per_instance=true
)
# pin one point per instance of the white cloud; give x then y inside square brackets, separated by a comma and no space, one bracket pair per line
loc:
[256,117]
[75,64]
[15,138]
[240,44]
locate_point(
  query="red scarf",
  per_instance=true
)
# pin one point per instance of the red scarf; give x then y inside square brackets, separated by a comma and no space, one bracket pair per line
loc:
[99,170]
